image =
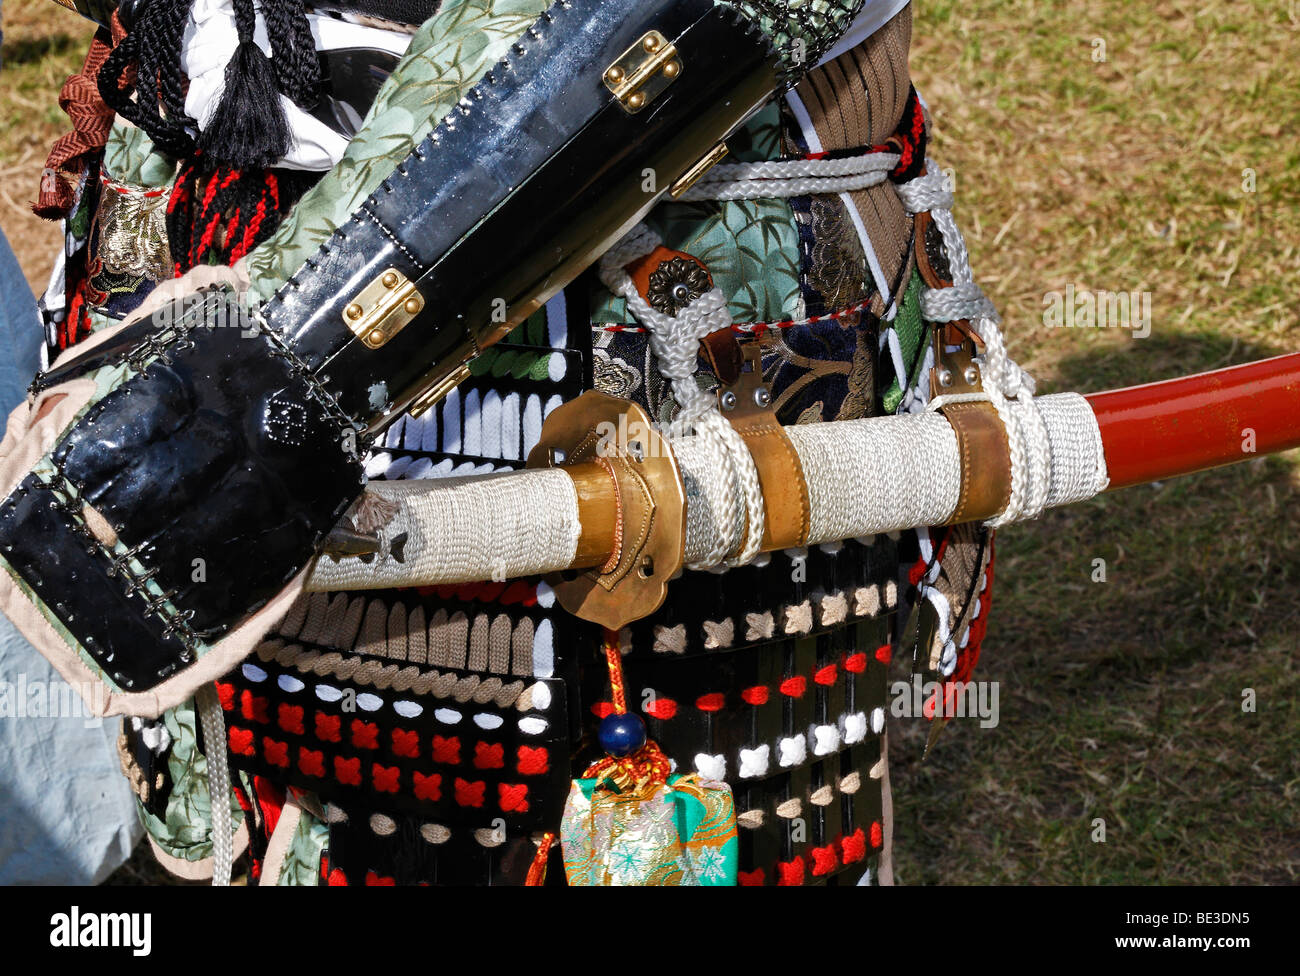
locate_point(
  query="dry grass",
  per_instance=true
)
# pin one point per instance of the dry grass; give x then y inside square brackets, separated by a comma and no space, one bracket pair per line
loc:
[43,44]
[1121,700]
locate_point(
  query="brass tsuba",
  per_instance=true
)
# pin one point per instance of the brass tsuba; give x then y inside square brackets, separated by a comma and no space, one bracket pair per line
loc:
[646,506]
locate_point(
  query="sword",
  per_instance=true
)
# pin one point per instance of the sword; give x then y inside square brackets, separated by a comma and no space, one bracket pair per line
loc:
[576,512]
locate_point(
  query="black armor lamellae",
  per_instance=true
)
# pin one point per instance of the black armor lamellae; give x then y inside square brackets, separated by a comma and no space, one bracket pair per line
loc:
[558,178]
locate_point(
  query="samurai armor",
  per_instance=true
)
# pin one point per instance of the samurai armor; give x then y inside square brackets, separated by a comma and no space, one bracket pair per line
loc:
[432,735]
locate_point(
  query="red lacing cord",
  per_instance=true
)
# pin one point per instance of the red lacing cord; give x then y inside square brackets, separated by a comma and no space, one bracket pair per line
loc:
[221,214]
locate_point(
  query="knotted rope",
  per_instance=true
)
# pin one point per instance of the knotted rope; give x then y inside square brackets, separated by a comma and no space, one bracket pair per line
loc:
[1006,386]
[733,532]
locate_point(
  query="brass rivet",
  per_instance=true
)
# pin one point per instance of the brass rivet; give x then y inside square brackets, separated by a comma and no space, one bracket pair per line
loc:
[412,305]
[651,44]
[636,101]
[671,69]
[353,311]
[390,279]
[614,75]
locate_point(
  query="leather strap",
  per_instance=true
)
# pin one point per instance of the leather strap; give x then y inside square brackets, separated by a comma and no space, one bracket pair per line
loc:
[722,351]
[985,461]
[931,263]
[780,475]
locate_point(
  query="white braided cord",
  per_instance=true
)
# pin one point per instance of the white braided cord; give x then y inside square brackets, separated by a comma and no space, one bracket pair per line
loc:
[1006,386]
[792,178]
[218,770]
[1078,456]
[733,500]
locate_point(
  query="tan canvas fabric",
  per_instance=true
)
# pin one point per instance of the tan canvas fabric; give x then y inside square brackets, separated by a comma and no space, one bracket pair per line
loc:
[278,846]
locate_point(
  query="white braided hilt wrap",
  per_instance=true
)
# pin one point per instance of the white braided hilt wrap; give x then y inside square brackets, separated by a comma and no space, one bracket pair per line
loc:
[493,527]
[856,468]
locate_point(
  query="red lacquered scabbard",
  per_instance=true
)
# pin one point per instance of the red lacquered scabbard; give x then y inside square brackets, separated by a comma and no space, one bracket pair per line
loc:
[1162,430]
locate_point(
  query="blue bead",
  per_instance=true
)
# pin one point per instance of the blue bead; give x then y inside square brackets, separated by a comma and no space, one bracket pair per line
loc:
[621,735]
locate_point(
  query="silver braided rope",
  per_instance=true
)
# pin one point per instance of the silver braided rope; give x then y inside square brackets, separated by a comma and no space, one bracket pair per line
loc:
[792,178]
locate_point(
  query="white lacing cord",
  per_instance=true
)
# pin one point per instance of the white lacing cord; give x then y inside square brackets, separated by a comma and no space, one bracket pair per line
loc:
[792,177]
[1009,388]
[735,501]
[214,739]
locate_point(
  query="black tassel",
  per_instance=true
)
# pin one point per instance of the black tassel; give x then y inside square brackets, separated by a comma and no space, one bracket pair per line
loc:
[248,130]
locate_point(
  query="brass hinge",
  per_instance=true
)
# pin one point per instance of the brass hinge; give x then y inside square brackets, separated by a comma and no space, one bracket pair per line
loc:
[702,166]
[383,308]
[439,390]
[643,71]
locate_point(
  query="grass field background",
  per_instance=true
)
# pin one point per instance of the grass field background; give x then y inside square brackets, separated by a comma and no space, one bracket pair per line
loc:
[1103,144]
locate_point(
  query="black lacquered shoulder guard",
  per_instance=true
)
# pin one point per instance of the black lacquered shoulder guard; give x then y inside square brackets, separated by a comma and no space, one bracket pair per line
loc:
[217,466]
[541,167]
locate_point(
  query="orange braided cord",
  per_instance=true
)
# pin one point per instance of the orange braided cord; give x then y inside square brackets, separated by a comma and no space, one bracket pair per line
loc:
[537,870]
[645,767]
[614,659]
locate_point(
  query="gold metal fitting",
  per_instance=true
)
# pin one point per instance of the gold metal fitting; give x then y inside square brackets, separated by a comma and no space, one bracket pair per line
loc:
[439,390]
[702,166]
[650,511]
[383,308]
[643,71]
